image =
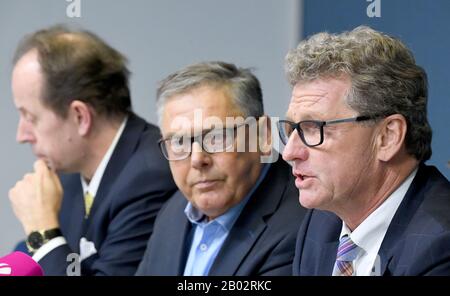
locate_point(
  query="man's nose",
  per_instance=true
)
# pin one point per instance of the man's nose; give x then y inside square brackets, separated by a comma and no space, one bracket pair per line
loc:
[295,149]
[199,158]
[24,132]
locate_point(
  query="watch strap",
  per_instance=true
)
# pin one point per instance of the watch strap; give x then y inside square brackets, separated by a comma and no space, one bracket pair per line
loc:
[51,233]
[37,239]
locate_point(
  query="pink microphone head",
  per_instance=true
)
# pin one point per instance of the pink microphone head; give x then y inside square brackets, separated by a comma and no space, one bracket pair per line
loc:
[19,264]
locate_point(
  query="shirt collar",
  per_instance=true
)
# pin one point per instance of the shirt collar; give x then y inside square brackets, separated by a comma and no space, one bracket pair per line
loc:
[227,219]
[93,185]
[370,233]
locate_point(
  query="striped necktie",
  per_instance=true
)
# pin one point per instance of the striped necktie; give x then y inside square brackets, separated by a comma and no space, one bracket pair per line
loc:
[88,201]
[347,252]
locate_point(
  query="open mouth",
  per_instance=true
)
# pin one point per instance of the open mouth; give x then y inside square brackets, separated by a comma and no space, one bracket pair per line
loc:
[301,180]
[301,176]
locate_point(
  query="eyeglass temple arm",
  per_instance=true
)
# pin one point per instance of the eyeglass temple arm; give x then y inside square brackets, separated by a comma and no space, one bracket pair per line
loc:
[359,118]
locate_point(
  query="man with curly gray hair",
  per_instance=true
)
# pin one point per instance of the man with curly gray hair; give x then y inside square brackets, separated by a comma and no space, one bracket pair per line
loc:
[357,135]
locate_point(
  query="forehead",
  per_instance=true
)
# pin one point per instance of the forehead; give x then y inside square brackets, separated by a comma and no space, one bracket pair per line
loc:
[323,98]
[28,81]
[26,68]
[198,107]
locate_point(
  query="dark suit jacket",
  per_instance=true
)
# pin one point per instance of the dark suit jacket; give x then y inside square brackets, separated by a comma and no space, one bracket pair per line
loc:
[136,182]
[417,241]
[261,241]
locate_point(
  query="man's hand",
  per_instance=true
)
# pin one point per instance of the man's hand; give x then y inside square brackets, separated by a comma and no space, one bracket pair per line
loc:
[36,199]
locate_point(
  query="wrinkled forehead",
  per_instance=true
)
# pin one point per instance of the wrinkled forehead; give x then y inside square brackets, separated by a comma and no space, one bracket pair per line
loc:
[183,126]
[319,99]
[202,109]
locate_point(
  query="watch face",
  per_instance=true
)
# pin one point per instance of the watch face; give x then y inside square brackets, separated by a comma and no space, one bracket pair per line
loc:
[35,240]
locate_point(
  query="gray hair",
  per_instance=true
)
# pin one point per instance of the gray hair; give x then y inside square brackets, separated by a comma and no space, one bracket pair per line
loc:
[385,77]
[243,85]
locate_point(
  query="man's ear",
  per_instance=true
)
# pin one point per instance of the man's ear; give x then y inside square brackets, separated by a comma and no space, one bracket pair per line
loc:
[391,136]
[265,135]
[82,115]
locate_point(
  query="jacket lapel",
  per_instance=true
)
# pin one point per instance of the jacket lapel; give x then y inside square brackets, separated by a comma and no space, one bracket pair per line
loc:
[408,207]
[168,245]
[236,247]
[71,216]
[319,250]
[327,258]
[122,153]
[251,222]
[177,252]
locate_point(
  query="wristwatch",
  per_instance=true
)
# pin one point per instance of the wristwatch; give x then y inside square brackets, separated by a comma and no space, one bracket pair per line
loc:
[37,239]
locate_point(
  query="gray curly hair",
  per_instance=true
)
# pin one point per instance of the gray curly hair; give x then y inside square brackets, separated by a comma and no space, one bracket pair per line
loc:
[385,77]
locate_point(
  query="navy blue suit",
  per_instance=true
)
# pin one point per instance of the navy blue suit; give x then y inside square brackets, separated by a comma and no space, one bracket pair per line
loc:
[417,241]
[136,183]
[261,241]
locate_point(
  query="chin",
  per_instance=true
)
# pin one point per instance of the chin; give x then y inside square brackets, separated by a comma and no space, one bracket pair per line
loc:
[308,200]
[209,204]
[61,169]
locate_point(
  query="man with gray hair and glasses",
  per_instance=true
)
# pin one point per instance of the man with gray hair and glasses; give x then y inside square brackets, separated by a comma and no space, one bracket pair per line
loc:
[358,136]
[234,213]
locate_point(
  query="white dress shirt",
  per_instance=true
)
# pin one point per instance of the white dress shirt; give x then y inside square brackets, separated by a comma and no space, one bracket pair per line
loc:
[91,187]
[369,235]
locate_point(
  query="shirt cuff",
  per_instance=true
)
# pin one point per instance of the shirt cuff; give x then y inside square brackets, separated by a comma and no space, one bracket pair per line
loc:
[48,247]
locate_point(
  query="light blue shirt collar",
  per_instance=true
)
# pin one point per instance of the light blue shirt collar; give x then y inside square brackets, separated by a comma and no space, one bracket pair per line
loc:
[209,236]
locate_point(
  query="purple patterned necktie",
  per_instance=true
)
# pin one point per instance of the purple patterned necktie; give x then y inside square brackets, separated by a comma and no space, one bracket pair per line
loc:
[347,252]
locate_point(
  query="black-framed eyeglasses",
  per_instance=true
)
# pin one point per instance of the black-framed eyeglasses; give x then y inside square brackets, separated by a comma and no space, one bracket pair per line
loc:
[311,131]
[212,141]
